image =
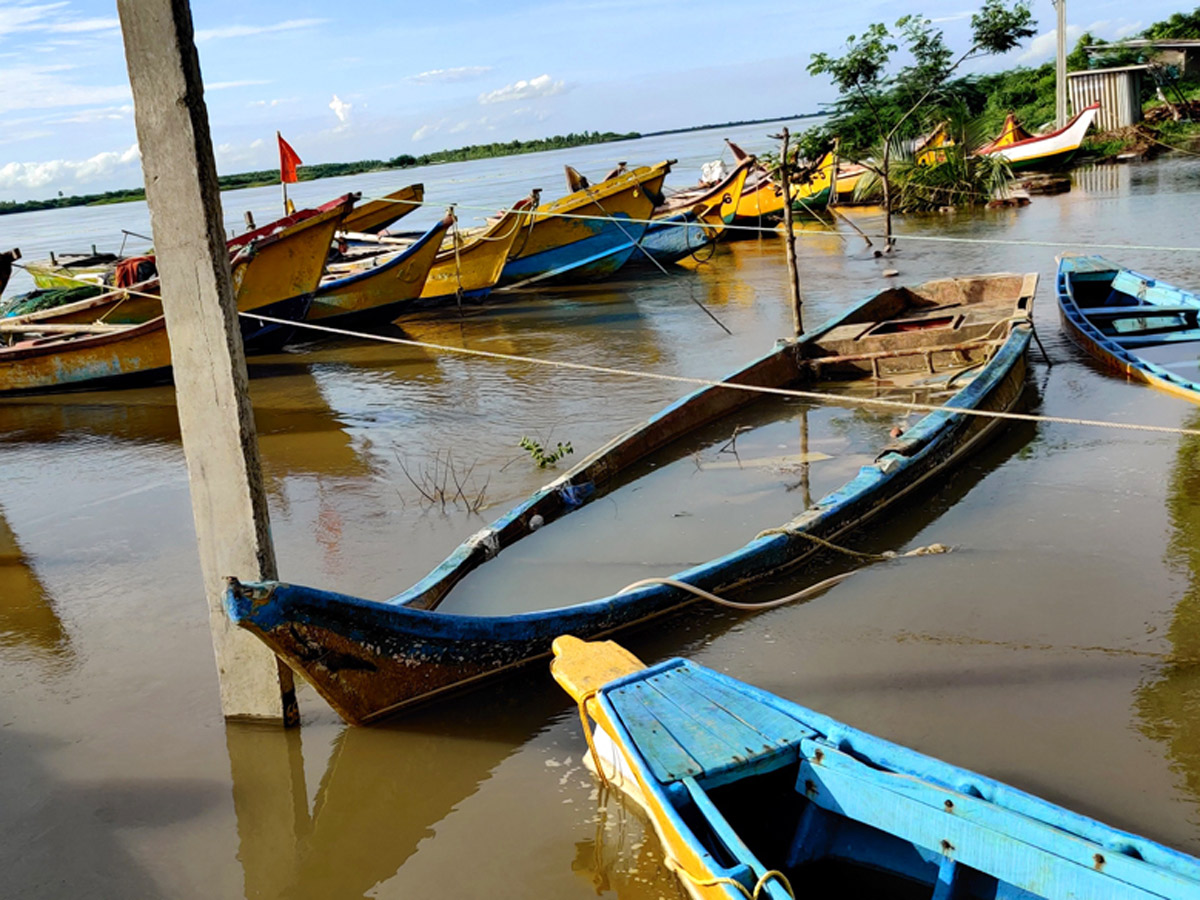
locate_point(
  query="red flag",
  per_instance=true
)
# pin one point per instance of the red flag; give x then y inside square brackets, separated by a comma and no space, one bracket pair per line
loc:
[288,160]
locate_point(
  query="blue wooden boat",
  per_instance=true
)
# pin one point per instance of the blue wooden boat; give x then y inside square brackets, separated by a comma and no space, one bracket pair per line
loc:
[755,796]
[693,219]
[1143,328]
[966,337]
[588,234]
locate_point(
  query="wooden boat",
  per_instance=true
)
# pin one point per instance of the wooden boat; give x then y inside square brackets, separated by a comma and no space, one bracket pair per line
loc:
[472,268]
[752,795]
[376,215]
[275,270]
[379,288]
[848,176]
[964,337]
[1146,330]
[762,195]
[590,233]
[1044,151]
[80,347]
[693,219]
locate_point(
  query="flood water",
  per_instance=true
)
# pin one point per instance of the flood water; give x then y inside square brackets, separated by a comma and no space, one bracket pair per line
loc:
[1058,647]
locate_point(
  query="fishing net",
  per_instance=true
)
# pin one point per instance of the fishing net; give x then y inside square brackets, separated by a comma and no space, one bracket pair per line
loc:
[36,301]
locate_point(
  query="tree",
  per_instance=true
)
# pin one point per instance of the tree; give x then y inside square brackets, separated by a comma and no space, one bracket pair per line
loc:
[860,73]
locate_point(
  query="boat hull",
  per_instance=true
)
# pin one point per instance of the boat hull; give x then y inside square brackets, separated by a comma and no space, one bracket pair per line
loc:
[1043,151]
[589,234]
[376,215]
[1106,348]
[745,787]
[369,659]
[380,292]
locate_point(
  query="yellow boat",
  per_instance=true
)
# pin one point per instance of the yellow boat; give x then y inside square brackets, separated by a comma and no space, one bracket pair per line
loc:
[591,232]
[82,348]
[377,289]
[376,215]
[762,196]
[277,266]
[473,267]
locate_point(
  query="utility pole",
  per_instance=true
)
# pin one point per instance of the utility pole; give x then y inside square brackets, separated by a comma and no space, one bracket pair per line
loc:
[1060,67]
[229,503]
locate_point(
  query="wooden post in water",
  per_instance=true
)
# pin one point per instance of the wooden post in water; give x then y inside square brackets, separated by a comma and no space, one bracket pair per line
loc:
[789,236]
[211,388]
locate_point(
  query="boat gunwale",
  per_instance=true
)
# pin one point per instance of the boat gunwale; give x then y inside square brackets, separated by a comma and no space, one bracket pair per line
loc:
[399,257]
[890,757]
[920,440]
[1085,333]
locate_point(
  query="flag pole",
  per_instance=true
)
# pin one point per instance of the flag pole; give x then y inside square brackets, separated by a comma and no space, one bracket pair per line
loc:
[282,179]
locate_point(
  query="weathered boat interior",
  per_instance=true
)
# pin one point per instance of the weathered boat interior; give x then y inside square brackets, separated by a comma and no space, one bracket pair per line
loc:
[646,504]
[1157,322]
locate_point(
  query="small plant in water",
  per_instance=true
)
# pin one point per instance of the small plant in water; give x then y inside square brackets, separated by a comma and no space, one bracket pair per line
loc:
[543,457]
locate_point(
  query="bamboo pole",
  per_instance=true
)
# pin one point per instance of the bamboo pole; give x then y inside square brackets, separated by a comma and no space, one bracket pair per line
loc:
[789,236]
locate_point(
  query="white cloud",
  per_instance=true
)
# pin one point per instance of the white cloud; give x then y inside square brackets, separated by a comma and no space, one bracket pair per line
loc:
[341,108]
[99,114]
[459,73]
[426,130]
[45,17]
[49,86]
[81,25]
[235,31]
[1045,45]
[225,85]
[542,86]
[275,102]
[40,174]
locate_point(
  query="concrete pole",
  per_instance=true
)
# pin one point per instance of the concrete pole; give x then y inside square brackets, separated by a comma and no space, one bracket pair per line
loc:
[211,388]
[1060,69]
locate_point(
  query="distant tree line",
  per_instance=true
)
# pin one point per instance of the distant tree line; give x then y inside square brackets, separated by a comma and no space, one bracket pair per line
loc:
[266,177]
[510,148]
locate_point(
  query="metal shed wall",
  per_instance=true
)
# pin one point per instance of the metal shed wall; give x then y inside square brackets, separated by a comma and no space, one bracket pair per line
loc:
[1117,90]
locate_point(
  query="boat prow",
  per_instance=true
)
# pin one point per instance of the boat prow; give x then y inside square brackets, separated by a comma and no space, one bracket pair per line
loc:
[751,794]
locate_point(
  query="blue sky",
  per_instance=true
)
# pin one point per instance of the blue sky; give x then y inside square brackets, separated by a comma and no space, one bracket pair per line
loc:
[395,78]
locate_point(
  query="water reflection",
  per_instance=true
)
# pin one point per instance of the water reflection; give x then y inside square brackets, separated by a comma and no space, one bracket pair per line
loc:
[624,857]
[382,791]
[27,616]
[1169,704]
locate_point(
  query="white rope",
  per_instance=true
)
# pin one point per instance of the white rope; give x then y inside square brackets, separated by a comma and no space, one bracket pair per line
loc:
[842,399]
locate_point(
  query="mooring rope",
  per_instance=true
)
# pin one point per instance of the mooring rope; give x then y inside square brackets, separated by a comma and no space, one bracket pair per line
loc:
[842,399]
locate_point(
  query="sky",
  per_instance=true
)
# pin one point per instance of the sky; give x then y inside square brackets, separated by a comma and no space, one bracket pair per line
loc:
[405,77]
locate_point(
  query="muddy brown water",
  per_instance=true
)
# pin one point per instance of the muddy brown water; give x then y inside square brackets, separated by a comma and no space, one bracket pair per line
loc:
[1058,647]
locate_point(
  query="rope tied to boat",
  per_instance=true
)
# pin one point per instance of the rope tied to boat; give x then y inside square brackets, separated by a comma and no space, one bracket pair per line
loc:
[803,594]
[885,556]
[586,721]
[679,869]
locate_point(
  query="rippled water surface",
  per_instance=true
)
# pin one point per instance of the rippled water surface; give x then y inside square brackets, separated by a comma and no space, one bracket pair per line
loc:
[1056,649]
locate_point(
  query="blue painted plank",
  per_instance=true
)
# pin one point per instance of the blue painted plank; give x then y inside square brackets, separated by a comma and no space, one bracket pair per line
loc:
[1024,852]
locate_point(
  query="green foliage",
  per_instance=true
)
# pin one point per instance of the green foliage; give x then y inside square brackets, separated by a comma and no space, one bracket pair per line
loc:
[860,69]
[1027,93]
[873,105]
[1179,26]
[1077,59]
[510,148]
[540,455]
[961,179]
[997,28]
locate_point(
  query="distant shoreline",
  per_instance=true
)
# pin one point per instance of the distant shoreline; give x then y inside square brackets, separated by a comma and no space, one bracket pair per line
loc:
[268,177]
